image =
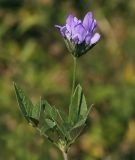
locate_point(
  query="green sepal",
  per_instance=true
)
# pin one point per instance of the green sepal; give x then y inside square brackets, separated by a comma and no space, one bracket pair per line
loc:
[77,50]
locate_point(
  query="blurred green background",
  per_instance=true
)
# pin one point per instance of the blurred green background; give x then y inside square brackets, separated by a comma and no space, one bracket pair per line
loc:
[33,54]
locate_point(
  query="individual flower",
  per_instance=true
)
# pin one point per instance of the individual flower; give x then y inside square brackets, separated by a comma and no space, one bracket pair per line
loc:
[79,35]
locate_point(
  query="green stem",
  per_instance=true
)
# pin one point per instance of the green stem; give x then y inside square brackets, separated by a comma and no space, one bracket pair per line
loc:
[73,81]
[74,76]
[65,156]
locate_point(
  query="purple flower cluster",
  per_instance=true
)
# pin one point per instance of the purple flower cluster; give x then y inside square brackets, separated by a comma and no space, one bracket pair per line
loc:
[80,33]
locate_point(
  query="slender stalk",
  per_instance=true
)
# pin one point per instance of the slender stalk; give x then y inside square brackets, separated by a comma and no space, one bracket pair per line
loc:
[74,76]
[73,81]
[65,156]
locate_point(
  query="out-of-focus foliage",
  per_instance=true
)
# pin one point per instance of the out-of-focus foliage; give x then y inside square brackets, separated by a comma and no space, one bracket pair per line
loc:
[33,54]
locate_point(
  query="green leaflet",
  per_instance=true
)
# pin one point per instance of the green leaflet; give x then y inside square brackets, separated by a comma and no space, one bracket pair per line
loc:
[83,120]
[78,127]
[35,113]
[49,110]
[30,112]
[49,124]
[78,107]
[53,114]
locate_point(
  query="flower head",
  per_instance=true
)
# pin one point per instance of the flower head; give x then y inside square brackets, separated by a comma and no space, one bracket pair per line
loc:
[79,35]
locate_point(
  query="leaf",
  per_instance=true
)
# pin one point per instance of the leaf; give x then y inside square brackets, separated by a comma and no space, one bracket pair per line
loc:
[53,114]
[30,112]
[36,110]
[24,102]
[44,129]
[77,129]
[34,115]
[82,104]
[78,106]
[82,121]
[79,124]
[50,111]
[49,124]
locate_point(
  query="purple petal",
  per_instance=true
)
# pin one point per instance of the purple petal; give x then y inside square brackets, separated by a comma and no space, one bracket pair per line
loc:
[70,20]
[88,19]
[68,35]
[95,38]
[80,32]
[93,26]
[57,26]
[69,28]
[88,39]
[75,39]
[77,21]
[62,29]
